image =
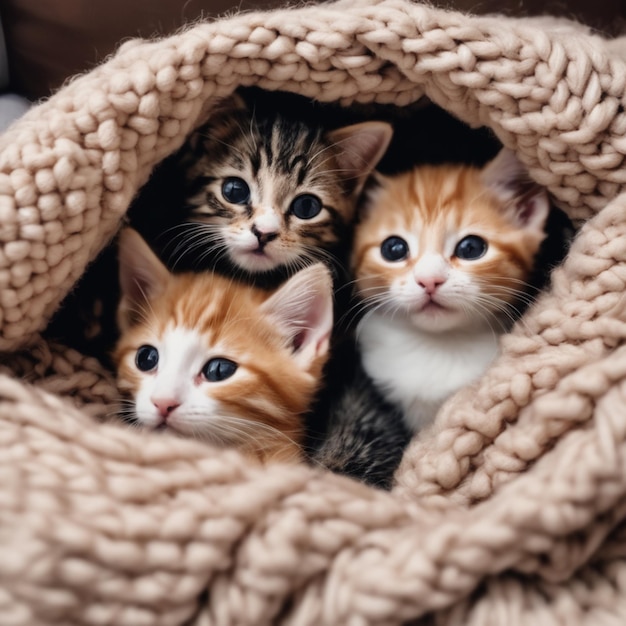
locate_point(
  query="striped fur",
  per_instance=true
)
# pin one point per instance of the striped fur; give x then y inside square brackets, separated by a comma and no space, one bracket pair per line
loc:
[366,435]
[280,158]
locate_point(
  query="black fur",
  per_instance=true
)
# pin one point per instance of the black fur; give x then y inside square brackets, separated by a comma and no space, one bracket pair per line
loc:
[366,435]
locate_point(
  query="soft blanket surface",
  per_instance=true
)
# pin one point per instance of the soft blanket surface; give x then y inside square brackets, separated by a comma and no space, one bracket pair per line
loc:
[509,511]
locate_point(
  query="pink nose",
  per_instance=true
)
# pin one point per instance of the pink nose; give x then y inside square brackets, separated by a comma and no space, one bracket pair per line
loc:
[263,233]
[165,405]
[430,283]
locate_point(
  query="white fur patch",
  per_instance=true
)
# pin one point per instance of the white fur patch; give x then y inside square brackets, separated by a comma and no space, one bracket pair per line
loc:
[418,370]
[182,355]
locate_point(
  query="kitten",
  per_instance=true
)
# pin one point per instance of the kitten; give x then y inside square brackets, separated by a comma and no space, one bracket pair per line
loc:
[264,191]
[210,358]
[256,193]
[442,257]
[366,434]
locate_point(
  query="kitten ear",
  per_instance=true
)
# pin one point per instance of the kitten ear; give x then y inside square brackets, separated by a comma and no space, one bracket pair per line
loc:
[526,204]
[223,107]
[359,149]
[228,105]
[142,275]
[375,183]
[303,309]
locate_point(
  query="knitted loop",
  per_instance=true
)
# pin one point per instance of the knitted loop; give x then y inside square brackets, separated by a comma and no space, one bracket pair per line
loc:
[510,509]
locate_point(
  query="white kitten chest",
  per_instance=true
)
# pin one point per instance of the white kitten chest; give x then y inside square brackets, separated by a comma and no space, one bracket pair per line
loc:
[418,370]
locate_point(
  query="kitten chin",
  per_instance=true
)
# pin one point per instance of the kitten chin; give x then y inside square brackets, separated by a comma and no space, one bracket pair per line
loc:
[442,260]
[203,356]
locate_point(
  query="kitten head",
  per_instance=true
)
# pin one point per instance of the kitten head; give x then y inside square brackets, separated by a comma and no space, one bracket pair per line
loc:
[207,357]
[267,192]
[450,247]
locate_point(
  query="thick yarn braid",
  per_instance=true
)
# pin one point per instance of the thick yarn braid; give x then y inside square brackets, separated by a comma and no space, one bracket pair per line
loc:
[510,510]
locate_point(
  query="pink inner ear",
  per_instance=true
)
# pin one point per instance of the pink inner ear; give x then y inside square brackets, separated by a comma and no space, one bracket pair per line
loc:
[527,210]
[298,340]
[531,209]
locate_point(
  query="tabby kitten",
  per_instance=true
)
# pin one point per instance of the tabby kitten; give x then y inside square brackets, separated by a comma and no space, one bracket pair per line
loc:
[264,192]
[257,193]
[207,357]
[442,258]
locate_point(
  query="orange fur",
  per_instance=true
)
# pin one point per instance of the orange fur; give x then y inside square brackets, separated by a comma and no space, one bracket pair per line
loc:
[433,207]
[442,259]
[269,388]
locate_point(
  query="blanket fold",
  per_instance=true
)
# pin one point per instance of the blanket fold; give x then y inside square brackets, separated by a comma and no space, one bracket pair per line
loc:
[509,510]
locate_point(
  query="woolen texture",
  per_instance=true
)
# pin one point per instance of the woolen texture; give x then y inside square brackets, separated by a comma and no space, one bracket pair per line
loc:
[510,510]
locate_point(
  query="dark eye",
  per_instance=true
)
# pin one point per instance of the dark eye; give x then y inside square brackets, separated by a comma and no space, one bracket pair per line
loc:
[219,369]
[394,249]
[470,248]
[147,358]
[306,206]
[236,190]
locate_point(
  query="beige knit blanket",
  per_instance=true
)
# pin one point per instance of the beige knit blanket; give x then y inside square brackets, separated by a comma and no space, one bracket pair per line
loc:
[511,511]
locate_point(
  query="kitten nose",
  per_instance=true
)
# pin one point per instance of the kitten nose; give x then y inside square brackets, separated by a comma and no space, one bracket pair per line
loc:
[266,225]
[430,283]
[165,405]
[264,236]
[430,272]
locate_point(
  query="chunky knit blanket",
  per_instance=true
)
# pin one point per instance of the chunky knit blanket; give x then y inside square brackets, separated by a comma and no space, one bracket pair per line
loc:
[511,510]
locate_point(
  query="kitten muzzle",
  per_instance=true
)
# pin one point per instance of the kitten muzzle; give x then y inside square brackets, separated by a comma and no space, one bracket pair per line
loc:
[263,237]
[433,305]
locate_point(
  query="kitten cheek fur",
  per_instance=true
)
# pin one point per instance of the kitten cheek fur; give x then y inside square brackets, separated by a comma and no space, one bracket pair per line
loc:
[129,378]
[372,277]
[276,400]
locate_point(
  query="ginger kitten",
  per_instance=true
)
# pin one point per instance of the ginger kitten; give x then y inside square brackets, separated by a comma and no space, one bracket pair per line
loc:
[442,257]
[210,358]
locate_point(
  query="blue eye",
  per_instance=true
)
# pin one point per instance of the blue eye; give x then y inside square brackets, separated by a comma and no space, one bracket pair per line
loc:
[306,206]
[470,248]
[219,369]
[394,249]
[147,358]
[236,190]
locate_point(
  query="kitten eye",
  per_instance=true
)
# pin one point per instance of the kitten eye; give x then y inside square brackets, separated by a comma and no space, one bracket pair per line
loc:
[470,248]
[306,206]
[394,249]
[236,190]
[219,369]
[147,358]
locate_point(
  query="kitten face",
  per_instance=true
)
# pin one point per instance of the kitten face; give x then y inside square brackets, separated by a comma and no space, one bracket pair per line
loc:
[209,358]
[266,192]
[449,247]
